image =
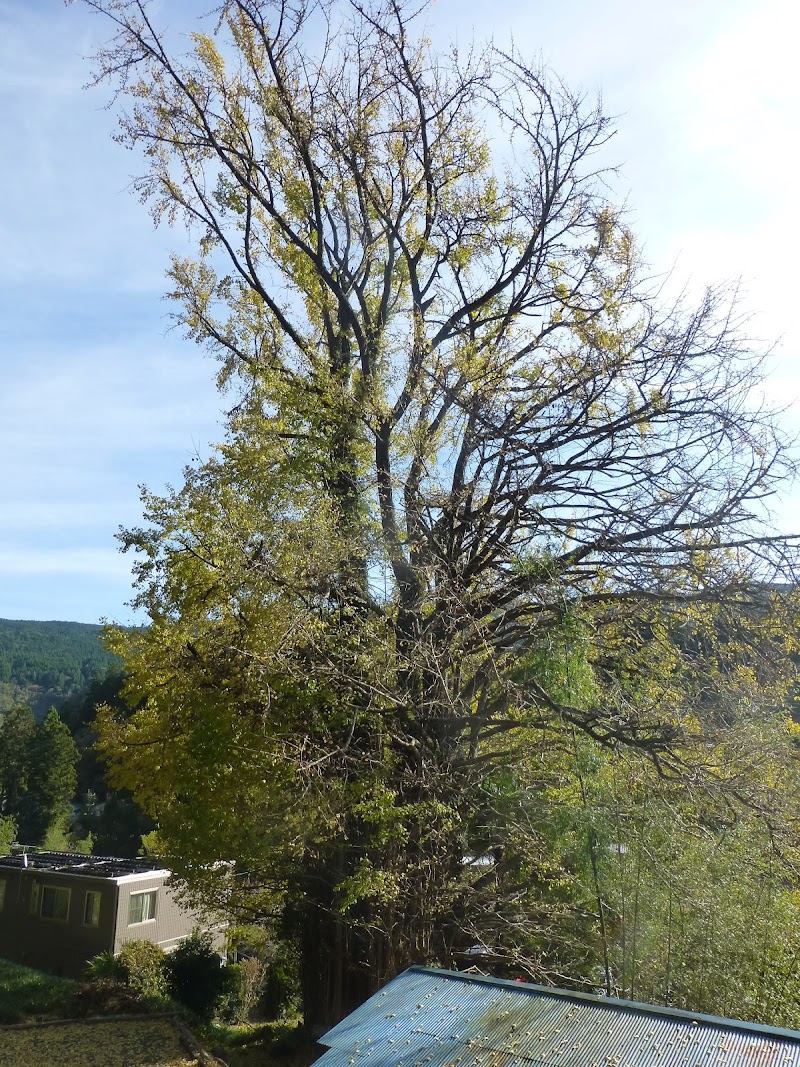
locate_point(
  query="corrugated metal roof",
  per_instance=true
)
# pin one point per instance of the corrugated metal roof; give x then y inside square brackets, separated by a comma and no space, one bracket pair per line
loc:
[431,1018]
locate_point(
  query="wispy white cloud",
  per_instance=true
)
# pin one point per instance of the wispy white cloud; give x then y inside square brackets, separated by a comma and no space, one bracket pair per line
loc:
[79,434]
[68,213]
[80,562]
[98,395]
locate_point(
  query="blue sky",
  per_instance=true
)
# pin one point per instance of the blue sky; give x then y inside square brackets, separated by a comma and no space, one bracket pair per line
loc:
[99,395]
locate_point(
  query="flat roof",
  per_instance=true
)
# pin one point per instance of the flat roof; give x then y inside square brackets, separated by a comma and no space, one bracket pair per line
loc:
[78,864]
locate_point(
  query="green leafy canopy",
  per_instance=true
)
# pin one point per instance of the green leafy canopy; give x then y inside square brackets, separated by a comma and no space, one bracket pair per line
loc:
[483,501]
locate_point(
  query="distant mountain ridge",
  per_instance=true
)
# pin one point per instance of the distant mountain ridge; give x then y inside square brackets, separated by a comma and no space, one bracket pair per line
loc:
[44,663]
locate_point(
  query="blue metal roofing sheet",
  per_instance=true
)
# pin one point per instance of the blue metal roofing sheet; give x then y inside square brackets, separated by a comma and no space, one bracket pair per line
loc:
[408,1053]
[429,1018]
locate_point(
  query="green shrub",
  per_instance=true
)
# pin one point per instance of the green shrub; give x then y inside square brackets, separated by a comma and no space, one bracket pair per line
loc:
[243,985]
[104,966]
[195,974]
[142,966]
[230,1005]
[281,983]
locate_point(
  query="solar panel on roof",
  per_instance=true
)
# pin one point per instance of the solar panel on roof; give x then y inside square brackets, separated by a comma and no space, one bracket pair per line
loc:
[94,866]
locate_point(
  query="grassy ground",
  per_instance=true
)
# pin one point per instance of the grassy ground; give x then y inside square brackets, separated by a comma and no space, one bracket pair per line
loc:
[263,1045]
[28,995]
[117,1043]
[32,997]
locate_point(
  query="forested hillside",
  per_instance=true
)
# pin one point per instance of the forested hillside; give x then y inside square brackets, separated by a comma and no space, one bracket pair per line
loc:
[52,786]
[43,663]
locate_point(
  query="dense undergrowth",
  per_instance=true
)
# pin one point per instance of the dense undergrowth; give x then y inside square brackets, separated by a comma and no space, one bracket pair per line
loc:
[31,996]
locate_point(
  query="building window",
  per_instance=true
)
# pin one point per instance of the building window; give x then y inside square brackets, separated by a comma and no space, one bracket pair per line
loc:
[2,892]
[54,903]
[91,909]
[143,907]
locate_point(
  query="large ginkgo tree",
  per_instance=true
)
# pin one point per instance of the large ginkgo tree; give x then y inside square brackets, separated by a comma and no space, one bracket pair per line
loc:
[481,494]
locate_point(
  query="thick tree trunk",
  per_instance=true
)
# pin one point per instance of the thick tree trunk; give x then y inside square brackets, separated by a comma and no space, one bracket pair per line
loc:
[336,973]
